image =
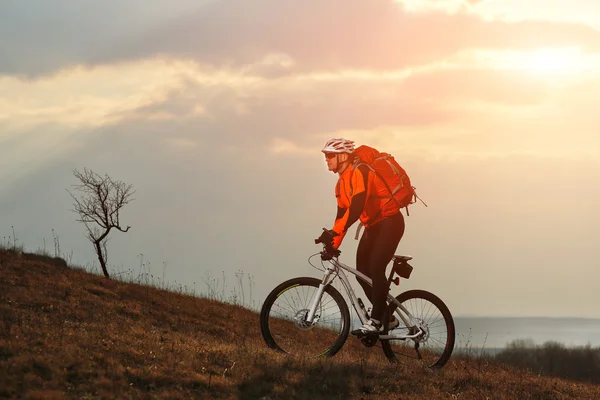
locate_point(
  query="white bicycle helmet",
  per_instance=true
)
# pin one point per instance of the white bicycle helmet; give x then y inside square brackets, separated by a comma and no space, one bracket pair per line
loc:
[340,145]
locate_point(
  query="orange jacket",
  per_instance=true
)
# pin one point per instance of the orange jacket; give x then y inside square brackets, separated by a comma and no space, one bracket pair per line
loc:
[356,194]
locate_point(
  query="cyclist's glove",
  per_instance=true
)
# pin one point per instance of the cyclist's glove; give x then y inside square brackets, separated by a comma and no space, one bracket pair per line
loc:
[326,237]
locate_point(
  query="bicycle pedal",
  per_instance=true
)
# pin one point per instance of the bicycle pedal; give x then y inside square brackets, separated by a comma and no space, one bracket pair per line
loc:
[359,333]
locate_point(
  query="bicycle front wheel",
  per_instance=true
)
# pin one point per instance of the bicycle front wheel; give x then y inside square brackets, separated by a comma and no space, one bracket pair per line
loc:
[433,345]
[283,319]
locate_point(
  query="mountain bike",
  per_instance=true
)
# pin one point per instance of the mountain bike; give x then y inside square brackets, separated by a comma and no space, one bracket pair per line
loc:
[309,317]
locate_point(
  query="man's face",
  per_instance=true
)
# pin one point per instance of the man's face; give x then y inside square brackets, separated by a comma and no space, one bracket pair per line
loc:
[334,160]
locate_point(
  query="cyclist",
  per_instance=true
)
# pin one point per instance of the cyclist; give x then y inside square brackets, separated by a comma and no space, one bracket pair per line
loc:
[354,192]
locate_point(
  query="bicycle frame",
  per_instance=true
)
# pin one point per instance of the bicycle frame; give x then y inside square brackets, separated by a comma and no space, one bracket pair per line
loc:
[337,267]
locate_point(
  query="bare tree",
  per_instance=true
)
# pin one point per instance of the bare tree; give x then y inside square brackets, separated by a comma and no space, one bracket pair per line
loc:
[101,199]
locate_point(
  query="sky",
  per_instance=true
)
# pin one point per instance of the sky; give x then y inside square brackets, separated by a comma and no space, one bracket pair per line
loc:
[216,112]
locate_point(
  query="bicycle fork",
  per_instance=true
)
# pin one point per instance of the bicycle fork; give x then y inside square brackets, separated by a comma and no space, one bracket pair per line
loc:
[317,297]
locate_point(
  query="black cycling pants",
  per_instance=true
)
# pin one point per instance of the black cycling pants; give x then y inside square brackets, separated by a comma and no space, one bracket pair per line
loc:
[375,250]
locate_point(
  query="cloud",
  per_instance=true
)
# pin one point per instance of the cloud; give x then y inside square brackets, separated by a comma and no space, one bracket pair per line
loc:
[39,38]
[292,36]
[577,11]
[83,97]
[457,107]
[280,146]
[447,6]
[459,86]
[325,35]
[182,142]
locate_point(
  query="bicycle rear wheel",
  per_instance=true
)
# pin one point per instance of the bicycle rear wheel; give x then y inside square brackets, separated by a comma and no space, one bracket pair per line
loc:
[283,319]
[432,347]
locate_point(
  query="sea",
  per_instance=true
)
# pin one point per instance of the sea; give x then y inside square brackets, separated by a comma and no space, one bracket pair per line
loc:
[491,335]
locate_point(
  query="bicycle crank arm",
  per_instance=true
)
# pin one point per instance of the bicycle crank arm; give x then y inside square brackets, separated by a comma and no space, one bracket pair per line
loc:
[401,337]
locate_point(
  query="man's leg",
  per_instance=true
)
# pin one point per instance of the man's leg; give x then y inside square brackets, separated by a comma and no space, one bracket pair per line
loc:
[385,237]
[362,262]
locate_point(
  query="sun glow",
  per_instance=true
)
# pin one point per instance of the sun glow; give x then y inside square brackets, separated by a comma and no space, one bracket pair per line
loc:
[556,60]
[548,60]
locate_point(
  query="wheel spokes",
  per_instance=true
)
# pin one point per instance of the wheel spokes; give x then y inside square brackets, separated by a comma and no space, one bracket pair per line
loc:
[431,343]
[289,328]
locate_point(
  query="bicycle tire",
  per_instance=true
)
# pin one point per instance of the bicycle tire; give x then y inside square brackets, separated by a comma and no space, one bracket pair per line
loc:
[436,302]
[288,344]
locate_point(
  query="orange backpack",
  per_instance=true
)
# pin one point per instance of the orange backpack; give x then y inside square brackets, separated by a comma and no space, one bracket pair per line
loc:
[397,183]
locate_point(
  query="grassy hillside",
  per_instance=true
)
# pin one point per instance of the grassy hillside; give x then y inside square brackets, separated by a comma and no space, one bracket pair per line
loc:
[65,333]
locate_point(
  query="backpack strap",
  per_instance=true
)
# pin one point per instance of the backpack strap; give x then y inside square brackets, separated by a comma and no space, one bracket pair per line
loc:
[358,163]
[417,197]
[393,192]
[392,166]
[358,229]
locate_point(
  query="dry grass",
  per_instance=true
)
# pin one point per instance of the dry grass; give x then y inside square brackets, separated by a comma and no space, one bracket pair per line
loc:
[65,333]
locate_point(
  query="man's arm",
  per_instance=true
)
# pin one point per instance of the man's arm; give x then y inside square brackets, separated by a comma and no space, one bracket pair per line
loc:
[339,226]
[348,216]
[359,197]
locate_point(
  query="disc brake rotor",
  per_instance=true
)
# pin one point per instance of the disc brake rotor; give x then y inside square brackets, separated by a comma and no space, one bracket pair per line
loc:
[302,323]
